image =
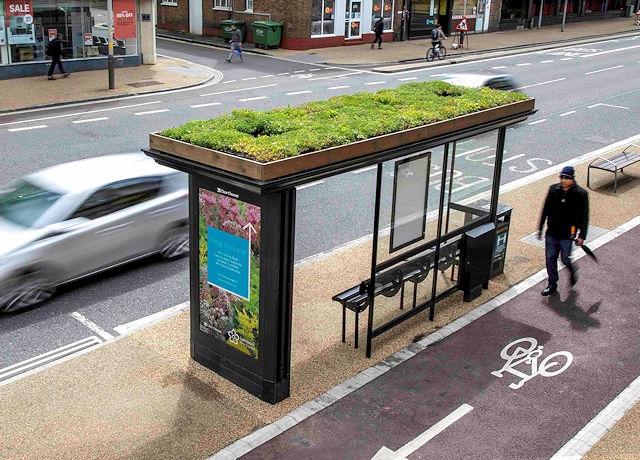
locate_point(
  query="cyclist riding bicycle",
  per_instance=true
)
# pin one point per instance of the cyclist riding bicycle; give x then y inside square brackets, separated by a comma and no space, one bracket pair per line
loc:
[437,35]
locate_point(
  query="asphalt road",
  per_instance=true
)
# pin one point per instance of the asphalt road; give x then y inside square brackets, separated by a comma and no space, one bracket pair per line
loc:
[586,98]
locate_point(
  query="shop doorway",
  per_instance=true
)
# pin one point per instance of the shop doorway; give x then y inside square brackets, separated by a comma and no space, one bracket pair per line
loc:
[353,20]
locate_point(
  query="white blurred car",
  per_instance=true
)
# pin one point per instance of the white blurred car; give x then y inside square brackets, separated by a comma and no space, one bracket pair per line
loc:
[501,81]
[76,219]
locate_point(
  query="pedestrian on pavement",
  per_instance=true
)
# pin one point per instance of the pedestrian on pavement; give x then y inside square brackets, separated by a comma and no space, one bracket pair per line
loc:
[378,27]
[566,210]
[236,43]
[54,49]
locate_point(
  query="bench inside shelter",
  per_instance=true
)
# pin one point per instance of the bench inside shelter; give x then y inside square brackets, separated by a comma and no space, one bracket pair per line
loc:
[391,281]
[615,163]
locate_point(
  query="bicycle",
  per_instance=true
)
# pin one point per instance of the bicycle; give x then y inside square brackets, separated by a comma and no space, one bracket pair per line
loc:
[436,50]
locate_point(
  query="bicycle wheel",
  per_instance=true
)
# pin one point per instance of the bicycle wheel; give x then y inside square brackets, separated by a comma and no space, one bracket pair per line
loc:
[430,55]
[442,52]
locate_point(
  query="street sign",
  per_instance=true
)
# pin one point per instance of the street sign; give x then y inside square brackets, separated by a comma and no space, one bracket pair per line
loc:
[463,25]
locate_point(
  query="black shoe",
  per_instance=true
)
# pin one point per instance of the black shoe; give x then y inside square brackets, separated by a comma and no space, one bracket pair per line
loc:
[574,278]
[51,78]
[550,289]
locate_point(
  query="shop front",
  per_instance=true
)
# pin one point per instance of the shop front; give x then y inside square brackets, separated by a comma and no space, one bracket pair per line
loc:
[27,26]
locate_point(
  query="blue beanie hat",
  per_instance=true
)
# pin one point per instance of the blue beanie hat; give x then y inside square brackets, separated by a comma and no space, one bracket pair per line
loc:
[568,172]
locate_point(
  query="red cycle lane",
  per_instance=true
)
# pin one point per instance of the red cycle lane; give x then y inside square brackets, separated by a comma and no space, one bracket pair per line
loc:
[532,404]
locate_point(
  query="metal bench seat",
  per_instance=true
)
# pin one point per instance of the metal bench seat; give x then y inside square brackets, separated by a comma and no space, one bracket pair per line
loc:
[614,164]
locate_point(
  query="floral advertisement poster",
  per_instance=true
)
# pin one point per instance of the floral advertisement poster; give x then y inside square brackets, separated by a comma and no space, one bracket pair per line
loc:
[229,269]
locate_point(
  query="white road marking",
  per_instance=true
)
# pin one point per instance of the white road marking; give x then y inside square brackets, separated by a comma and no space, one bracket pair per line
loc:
[338,87]
[407,78]
[537,121]
[239,89]
[376,83]
[425,437]
[547,61]
[27,129]
[284,73]
[248,78]
[151,112]
[79,113]
[504,160]
[90,120]
[438,75]
[252,98]
[310,184]
[469,152]
[128,328]
[93,326]
[37,363]
[567,113]
[335,77]
[610,51]
[566,59]
[229,81]
[604,70]
[266,76]
[314,70]
[293,93]
[542,83]
[523,64]
[499,67]
[197,106]
[299,71]
[607,105]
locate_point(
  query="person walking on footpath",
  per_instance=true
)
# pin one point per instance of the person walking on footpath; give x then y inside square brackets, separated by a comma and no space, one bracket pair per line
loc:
[378,27]
[236,43]
[566,211]
[54,49]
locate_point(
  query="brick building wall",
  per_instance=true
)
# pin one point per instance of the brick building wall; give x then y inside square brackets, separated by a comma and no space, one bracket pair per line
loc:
[494,15]
[174,17]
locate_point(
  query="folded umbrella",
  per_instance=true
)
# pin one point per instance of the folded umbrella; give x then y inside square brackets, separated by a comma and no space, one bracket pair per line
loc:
[589,252]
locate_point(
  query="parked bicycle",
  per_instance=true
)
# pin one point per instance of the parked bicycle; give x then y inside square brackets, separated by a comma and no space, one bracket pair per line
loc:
[438,51]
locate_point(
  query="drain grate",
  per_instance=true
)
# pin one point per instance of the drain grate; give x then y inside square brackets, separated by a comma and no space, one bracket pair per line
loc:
[594,232]
[144,83]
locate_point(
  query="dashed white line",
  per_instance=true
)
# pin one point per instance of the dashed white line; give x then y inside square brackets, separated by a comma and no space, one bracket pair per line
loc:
[93,326]
[284,73]
[151,112]
[252,98]
[566,59]
[537,121]
[27,129]
[567,113]
[90,120]
[299,71]
[547,61]
[238,90]
[338,87]
[293,93]
[407,78]
[229,81]
[266,76]
[209,104]
[248,78]
[314,70]
[499,67]
[603,70]
[523,64]
[375,83]
[542,83]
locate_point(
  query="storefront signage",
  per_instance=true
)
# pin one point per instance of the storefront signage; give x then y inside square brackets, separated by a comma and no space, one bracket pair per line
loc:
[124,19]
[20,16]
[229,269]
[88,39]
[53,33]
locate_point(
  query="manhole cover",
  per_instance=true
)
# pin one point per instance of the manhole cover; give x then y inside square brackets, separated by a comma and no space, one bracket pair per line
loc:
[144,83]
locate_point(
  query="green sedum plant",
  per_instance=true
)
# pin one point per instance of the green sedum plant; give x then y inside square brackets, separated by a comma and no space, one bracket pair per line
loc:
[287,132]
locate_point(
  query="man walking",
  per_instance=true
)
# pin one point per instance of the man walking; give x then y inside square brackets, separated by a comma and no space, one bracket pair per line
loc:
[566,210]
[378,27]
[236,43]
[54,49]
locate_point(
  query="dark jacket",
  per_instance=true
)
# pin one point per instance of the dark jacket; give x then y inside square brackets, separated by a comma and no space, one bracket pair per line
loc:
[378,27]
[54,48]
[564,210]
[236,36]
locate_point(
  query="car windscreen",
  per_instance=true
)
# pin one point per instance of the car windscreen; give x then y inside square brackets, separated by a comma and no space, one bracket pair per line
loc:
[25,203]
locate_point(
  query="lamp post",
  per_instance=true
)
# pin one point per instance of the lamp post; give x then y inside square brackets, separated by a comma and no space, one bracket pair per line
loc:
[540,15]
[564,16]
[110,62]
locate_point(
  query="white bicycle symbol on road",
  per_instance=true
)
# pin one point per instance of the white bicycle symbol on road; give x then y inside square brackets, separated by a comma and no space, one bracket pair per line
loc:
[526,351]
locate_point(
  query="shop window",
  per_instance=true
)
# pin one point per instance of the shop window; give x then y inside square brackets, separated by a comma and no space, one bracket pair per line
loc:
[384,9]
[82,23]
[322,17]
[169,3]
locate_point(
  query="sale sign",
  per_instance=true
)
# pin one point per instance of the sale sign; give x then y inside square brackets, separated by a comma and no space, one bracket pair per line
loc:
[124,19]
[20,16]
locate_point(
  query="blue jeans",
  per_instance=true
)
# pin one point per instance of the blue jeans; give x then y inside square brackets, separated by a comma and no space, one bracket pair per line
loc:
[555,247]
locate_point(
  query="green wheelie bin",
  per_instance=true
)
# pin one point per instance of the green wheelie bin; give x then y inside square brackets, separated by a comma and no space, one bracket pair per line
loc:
[226,28]
[267,34]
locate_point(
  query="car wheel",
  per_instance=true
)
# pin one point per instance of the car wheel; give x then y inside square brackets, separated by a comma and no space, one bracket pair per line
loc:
[175,243]
[27,290]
